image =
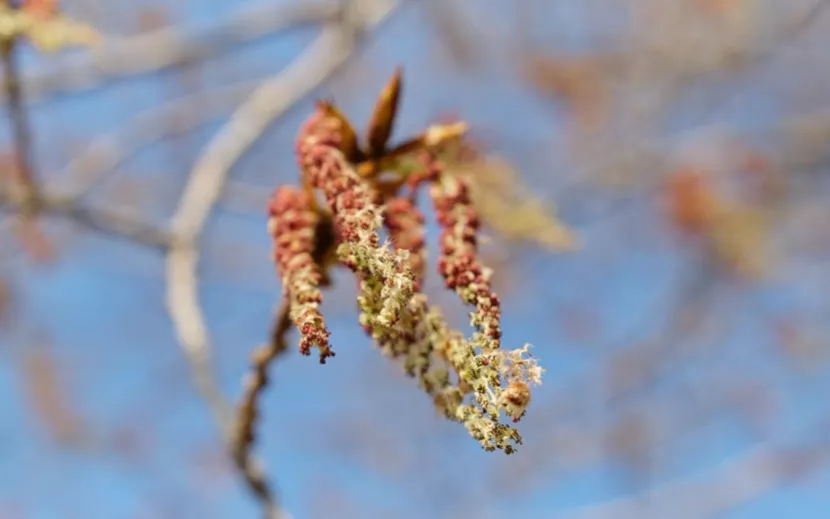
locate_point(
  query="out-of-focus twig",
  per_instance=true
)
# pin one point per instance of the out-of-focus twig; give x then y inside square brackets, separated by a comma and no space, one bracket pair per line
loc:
[275,95]
[105,152]
[46,389]
[96,219]
[454,30]
[244,434]
[739,480]
[24,171]
[115,224]
[172,46]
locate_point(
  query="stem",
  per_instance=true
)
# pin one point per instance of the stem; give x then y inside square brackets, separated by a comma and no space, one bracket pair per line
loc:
[19,126]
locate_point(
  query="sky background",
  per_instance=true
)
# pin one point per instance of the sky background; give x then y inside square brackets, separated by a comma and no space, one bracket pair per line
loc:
[356,438]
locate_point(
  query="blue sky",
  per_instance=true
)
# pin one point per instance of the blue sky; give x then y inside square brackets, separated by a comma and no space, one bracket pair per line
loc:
[355,437]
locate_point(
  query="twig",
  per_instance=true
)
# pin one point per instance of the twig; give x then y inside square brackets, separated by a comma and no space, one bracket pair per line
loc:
[271,99]
[171,46]
[101,220]
[247,412]
[115,224]
[106,151]
[739,480]
[24,174]
[455,31]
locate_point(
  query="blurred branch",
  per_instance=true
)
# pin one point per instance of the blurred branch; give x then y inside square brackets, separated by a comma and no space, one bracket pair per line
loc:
[114,224]
[105,152]
[739,480]
[271,99]
[24,175]
[794,30]
[172,46]
[454,30]
[26,196]
[101,220]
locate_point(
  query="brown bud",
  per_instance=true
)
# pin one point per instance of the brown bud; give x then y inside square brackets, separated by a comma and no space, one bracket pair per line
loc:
[383,117]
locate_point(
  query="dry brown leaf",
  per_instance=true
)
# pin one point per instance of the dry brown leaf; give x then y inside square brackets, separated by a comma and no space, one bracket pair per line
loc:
[57,31]
[738,235]
[507,208]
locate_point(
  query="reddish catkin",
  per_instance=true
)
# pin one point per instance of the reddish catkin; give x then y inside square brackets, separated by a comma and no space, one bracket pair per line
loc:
[458,263]
[474,380]
[405,224]
[348,198]
[386,279]
[292,221]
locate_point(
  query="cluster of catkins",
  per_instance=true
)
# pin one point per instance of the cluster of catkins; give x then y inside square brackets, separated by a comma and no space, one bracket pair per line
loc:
[471,380]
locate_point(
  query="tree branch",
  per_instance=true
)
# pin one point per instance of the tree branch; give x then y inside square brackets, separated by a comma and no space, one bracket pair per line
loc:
[24,175]
[738,480]
[101,220]
[106,151]
[171,46]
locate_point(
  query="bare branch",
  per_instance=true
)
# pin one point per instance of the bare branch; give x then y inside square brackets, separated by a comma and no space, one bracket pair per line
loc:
[105,152]
[24,176]
[244,434]
[101,220]
[172,46]
[109,222]
[740,479]
[272,98]
[455,31]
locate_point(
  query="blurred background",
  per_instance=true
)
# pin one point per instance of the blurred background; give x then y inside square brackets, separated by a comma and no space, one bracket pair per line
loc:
[683,143]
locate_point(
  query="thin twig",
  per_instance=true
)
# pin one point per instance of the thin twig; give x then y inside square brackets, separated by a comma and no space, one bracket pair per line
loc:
[108,150]
[118,225]
[101,220]
[275,95]
[740,479]
[255,384]
[24,174]
[172,46]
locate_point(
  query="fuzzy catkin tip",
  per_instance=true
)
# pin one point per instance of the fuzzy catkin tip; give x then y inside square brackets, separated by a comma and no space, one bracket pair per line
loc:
[292,222]
[458,263]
